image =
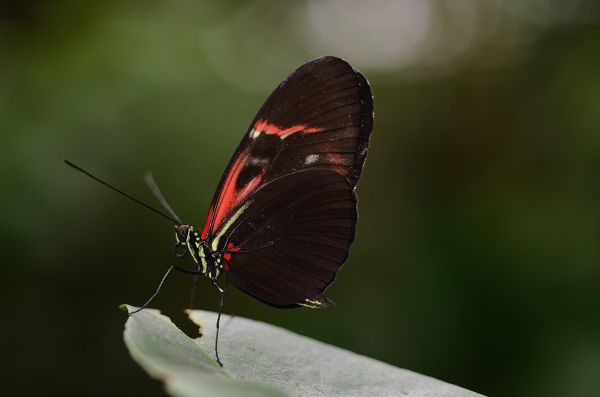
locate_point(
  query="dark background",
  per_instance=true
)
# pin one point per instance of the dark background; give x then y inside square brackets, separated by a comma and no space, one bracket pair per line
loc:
[477,255]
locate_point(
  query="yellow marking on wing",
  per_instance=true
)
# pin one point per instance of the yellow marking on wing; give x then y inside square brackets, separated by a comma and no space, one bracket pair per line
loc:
[230,221]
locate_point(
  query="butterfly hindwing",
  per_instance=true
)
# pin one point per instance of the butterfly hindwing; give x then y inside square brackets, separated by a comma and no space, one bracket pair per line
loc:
[289,239]
[320,117]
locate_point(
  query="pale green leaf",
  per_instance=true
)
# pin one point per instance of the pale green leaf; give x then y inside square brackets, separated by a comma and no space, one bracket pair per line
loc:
[263,360]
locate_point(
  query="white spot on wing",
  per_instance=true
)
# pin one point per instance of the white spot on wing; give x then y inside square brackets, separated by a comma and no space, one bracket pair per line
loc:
[254,133]
[311,158]
[258,161]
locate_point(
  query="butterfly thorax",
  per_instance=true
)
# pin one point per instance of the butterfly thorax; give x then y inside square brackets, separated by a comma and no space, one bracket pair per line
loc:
[188,240]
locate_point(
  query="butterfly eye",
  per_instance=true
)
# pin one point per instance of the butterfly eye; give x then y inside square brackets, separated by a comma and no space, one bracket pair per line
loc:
[182,233]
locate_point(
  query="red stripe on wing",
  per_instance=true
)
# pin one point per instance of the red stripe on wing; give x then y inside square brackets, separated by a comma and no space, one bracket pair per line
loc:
[272,129]
[231,196]
[211,211]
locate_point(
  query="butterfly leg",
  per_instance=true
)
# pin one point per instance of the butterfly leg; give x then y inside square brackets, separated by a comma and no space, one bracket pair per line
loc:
[223,292]
[186,271]
[145,305]
[162,281]
[231,315]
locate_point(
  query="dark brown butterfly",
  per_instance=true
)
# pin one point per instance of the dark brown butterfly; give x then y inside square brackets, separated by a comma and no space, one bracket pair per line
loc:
[284,214]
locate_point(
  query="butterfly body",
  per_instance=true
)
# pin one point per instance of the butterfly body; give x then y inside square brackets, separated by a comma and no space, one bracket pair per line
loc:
[284,214]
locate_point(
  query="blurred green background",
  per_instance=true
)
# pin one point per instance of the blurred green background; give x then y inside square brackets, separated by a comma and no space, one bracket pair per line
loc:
[477,259]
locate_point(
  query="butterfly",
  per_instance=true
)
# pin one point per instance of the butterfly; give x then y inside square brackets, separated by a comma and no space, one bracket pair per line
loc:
[284,214]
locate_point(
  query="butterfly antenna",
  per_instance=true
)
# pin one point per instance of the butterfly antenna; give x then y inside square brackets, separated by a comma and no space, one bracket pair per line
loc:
[78,168]
[149,179]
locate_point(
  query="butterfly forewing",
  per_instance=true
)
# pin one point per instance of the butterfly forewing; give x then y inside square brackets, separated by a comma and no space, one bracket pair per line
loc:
[320,117]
